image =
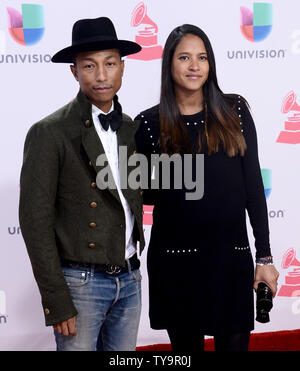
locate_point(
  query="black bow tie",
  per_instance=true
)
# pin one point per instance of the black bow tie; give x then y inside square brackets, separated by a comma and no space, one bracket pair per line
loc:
[113,119]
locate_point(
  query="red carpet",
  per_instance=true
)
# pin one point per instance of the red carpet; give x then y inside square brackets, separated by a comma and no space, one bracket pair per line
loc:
[267,341]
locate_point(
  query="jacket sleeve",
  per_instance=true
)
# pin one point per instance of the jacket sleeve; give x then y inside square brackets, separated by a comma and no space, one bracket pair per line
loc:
[256,200]
[38,188]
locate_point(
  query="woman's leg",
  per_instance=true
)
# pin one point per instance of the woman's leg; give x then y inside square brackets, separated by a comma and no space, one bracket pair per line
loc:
[185,340]
[233,342]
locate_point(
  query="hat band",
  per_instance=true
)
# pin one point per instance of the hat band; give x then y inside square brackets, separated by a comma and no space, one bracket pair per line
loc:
[93,39]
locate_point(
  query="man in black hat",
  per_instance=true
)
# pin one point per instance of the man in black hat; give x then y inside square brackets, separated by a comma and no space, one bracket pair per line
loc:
[82,237]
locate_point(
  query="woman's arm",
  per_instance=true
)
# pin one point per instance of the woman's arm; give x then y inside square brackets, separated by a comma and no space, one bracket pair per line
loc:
[256,202]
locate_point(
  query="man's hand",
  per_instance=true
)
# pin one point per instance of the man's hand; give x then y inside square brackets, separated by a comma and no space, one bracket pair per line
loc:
[267,274]
[67,327]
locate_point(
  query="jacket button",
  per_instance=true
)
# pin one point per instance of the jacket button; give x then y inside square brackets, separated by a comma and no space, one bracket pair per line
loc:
[93,184]
[93,205]
[92,245]
[90,163]
[87,124]
[93,225]
[47,311]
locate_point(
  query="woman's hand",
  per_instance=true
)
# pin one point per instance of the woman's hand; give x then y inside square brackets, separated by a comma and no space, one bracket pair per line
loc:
[267,274]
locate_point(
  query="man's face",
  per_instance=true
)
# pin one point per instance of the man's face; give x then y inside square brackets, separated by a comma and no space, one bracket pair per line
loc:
[99,74]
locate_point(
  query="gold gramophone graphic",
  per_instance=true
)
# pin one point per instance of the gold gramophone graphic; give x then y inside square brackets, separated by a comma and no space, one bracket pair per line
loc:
[291,287]
[291,132]
[146,36]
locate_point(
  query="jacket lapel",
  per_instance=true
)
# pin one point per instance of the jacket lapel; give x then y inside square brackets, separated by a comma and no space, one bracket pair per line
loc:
[90,139]
[94,148]
[125,137]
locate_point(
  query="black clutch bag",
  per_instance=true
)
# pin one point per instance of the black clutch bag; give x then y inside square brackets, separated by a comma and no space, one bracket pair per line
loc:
[264,303]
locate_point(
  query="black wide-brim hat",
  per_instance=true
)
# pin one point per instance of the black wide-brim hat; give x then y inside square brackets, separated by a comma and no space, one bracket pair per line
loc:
[94,34]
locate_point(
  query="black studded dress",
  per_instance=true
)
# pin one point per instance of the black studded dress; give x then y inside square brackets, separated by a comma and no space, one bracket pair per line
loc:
[199,262]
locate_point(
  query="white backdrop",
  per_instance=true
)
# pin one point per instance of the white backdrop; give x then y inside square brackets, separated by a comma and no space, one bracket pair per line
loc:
[31,87]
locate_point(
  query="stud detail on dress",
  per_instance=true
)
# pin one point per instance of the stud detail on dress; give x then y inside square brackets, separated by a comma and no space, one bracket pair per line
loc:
[241,248]
[184,251]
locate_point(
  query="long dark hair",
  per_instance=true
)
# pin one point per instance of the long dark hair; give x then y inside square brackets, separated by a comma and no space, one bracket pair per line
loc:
[222,124]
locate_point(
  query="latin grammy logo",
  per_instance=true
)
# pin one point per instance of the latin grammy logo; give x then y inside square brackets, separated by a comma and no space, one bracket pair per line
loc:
[148,214]
[146,36]
[291,132]
[291,288]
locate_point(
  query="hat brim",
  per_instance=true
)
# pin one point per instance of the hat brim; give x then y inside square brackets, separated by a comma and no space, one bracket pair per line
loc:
[67,55]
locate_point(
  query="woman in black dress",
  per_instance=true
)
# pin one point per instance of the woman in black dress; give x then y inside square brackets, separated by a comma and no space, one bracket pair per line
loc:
[200,266]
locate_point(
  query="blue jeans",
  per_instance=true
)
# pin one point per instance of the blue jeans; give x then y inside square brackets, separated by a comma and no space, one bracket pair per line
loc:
[109,309]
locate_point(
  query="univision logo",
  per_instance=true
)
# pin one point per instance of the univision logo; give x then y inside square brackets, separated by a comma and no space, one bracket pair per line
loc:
[257,25]
[26,28]
[267,181]
[3,316]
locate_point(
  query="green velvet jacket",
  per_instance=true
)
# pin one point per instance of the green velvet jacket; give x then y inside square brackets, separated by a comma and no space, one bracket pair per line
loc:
[62,212]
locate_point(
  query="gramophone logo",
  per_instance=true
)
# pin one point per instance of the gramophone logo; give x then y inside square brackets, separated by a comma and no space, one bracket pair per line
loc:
[257,25]
[291,287]
[146,35]
[291,132]
[147,214]
[26,28]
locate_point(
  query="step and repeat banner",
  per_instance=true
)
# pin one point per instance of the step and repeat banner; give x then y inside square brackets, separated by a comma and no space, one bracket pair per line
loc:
[257,49]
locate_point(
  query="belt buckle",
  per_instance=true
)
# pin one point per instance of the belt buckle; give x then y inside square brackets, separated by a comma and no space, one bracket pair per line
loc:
[113,269]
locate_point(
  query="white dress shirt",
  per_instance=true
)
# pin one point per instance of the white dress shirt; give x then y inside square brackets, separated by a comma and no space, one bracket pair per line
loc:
[109,141]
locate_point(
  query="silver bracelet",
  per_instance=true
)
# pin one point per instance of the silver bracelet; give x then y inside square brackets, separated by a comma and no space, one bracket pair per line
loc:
[262,264]
[265,261]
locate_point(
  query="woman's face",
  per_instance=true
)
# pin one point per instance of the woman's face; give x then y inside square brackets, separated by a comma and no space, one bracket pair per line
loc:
[190,67]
